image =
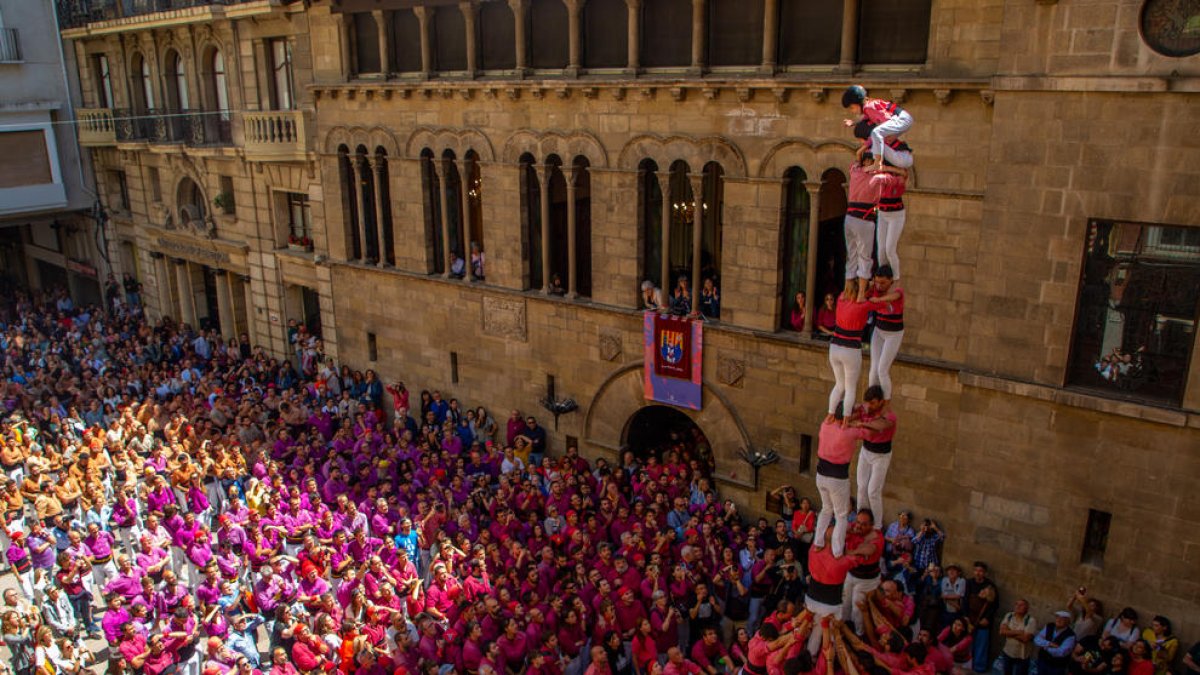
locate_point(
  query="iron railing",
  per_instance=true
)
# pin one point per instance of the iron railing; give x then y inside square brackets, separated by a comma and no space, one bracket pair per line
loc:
[76,13]
[190,127]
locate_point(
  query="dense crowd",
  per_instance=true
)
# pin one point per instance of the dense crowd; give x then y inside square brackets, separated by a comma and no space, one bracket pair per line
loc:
[206,508]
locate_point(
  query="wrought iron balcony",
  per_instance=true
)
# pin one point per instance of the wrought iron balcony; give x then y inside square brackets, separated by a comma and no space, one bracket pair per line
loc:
[191,127]
[76,13]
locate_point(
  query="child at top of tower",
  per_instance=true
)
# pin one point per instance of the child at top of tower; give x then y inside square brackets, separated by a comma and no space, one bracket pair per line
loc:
[888,120]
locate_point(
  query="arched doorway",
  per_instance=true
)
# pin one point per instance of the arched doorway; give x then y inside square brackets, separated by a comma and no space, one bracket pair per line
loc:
[654,429]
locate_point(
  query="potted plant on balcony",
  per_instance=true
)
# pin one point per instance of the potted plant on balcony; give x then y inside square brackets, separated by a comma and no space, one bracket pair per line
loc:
[300,243]
[224,201]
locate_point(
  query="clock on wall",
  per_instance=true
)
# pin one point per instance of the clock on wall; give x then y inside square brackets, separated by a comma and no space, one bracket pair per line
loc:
[1171,27]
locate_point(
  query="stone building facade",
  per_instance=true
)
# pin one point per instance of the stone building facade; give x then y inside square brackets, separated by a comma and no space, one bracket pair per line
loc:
[575,143]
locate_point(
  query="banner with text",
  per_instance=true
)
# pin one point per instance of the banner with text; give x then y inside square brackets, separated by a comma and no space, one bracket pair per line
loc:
[674,352]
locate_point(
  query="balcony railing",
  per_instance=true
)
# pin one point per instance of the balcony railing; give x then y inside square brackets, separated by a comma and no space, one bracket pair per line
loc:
[275,135]
[193,128]
[96,126]
[76,13]
[10,46]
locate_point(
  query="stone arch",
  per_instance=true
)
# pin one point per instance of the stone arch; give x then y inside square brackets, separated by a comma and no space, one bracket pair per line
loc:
[352,137]
[440,139]
[695,151]
[622,394]
[563,144]
[814,156]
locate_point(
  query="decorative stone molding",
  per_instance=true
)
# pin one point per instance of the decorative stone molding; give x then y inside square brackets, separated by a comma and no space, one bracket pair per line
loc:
[744,94]
[489,93]
[731,371]
[537,93]
[504,317]
[513,93]
[618,93]
[781,94]
[646,93]
[818,95]
[563,93]
[943,96]
[610,346]
[589,92]
[899,95]
[987,96]
[710,93]
[466,94]
[678,93]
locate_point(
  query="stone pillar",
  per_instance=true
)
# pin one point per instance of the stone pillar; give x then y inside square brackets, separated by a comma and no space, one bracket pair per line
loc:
[382,26]
[347,54]
[770,37]
[574,38]
[224,305]
[187,302]
[441,168]
[849,36]
[571,261]
[469,9]
[635,29]
[697,181]
[422,13]
[810,265]
[163,275]
[518,10]
[361,200]
[463,222]
[245,281]
[377,176]
[230,280]
[544,201]
[698,23]
[664,184]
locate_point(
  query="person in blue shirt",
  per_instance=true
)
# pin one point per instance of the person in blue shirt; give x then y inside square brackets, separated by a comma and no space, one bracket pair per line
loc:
[438,407]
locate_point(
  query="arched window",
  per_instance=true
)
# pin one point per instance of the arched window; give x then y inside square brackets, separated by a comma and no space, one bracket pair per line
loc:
[712,213]
[793,251]
[384,207]
[143,89]
[582,177]
[349,202]
[454,214]
[474,215]
[531,215]
[683,217]
[431,190]
[605,34]
[219,84]
[831,241]
[366,184]
[406,41]
[366,43]
[449,38]
[650,197]
[558,224]
[177,86]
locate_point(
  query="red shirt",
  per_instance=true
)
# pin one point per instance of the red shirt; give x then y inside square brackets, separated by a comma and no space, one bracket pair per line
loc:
[836,444]
[851,319]
[877,111]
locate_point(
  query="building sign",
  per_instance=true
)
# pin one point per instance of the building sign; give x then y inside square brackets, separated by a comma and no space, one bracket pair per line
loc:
[81,268]
[674,352]
[192,251]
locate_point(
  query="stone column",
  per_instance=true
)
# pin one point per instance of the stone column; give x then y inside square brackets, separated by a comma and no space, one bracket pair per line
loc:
[347,54]
[463,228]
[361,200]
[849,36]
[187,302]
[664,184]
[770,37]
[249,306]
[574,39]
[469,9]
[422,13]
[441,168]
[810,265]
[382,26]
[163,276]
[224,305]
[544,201]
[698,24]
[571,262]
[230,281]
[377,175]
[518,10]
[697,181]
[635,29]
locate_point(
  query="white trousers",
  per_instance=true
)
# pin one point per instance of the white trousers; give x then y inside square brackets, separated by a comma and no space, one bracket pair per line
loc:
[854,592]
[872,472]
[900,123]
[885,345]
[888,228]
[835,505]
[859,233]
[847,364]
[819,611]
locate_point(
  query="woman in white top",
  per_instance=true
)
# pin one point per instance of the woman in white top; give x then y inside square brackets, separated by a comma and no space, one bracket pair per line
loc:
[1123,628]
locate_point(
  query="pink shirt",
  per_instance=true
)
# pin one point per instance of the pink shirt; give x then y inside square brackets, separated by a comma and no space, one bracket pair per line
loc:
[836,444]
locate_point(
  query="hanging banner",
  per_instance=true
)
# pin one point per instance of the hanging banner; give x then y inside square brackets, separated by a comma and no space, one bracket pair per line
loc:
[674,352]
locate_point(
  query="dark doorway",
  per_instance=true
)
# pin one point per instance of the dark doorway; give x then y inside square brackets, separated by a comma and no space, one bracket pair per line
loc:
[656,428]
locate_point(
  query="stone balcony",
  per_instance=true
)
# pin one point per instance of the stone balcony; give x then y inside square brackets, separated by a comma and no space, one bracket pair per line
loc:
[96,126]
[276,135]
